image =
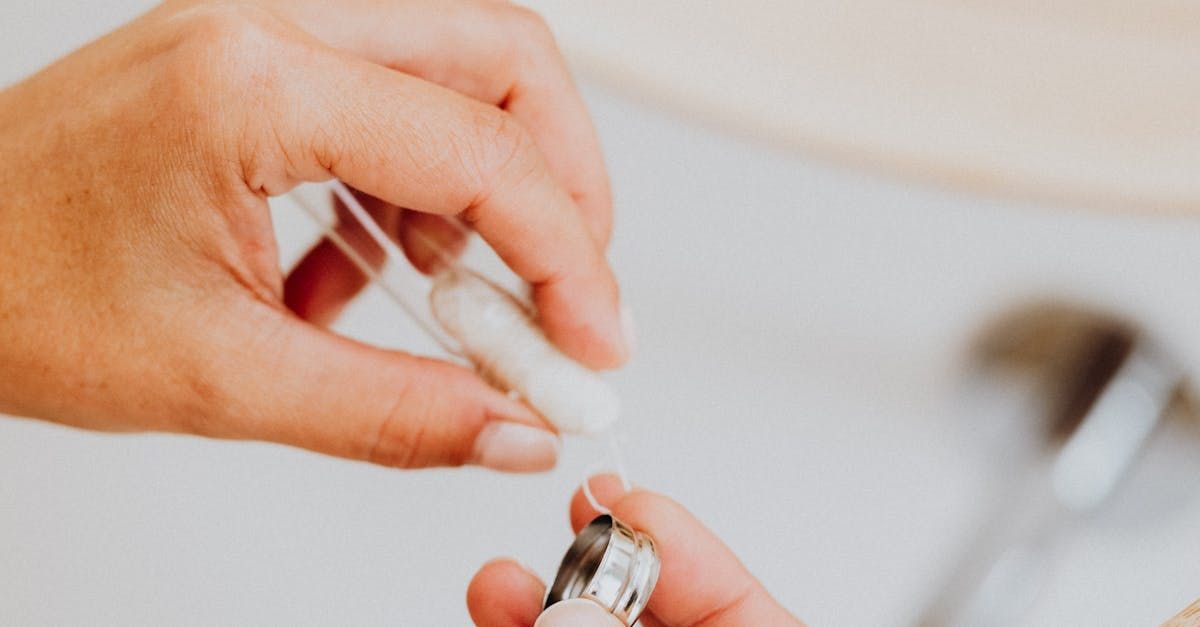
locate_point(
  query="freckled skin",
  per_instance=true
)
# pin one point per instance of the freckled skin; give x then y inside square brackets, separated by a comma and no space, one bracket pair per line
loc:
[140,287]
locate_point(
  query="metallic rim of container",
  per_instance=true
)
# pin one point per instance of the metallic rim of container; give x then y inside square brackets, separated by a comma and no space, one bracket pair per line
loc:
[611,564]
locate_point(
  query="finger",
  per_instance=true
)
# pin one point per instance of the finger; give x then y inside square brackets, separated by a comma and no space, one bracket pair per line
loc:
[495,52]
[274,377]
[504,594]
[727,594]
[606,489]
[319,287]
[455,156]
[428,240]
[325,279]
[577,613]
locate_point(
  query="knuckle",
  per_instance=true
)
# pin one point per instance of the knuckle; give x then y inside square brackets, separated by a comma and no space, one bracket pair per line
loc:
[529,25]
[222,24]
[506,136]
[226,72]
[529,36]
[226,48]
[422,427]
[505,153]
[404,432]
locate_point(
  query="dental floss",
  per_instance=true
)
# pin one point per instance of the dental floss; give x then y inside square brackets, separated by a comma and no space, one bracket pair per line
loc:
[618,468]
[470,303]
[618,460]
[478,320]
[586,487]
[397,296]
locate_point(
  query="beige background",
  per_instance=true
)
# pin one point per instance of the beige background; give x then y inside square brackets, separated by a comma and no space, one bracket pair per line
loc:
[1094,103]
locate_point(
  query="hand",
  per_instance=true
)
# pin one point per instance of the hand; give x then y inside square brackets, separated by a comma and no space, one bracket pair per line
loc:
[140,286]
[504,594]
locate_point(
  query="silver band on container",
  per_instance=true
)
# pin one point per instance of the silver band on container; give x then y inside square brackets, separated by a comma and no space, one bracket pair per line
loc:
[611,564]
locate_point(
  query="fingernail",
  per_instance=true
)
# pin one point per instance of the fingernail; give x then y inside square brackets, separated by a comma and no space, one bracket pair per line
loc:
[512,447]
[627,330]
[576,613]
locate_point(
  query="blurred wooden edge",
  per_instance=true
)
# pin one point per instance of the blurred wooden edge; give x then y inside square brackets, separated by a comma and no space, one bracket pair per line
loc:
[1068,104]
[893,166]
[1189,617]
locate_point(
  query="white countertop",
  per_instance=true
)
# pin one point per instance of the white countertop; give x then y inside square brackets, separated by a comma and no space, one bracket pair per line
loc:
[800,329]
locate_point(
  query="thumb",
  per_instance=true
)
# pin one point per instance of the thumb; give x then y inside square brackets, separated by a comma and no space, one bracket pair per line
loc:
[300,385]
[577,613]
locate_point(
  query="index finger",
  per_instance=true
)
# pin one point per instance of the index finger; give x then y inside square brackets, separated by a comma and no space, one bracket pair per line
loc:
[418,145]
[701,582]
[495,52]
